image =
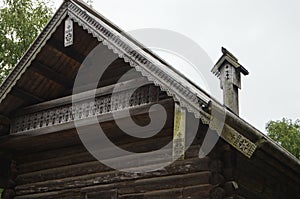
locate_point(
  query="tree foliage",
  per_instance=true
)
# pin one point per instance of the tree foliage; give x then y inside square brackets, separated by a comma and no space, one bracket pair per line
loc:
[20,23]
[286,133]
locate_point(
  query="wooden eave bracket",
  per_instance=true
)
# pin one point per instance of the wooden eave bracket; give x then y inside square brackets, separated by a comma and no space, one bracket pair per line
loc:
[179,132]
[234,138]
[238,141]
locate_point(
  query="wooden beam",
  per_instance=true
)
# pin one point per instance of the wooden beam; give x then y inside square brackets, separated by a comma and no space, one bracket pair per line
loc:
[122,86]
[166,179]
[69,51]
[238,141]
[179,133]
[106,82]
[24,95]
[47,72]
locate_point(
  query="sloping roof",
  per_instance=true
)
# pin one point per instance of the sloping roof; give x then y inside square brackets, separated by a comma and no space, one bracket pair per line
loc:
[151,66]
[155,69]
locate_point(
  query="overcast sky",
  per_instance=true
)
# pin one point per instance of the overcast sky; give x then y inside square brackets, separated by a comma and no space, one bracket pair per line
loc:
[263,35]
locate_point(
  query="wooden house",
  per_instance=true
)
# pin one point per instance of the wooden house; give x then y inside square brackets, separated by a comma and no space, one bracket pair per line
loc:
[42,154]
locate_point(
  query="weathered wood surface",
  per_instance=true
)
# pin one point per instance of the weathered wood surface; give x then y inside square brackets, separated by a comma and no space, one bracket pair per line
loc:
[181,175]
[75,174]
[71,172]
[87,105]
[111,192]
[21,142]
[258,179]
[52,75]
[115,176]
[122,86]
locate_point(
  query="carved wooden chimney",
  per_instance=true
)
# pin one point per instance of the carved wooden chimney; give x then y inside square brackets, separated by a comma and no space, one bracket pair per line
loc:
[229,72]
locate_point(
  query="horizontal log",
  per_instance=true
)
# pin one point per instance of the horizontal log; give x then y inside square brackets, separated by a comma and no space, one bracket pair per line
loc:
[197,191]
[80,155]
[47,195]
[111,194]
[205,164]
[92,167]
[166,194]
[62,172]
[235,197]
[165,182]
[26,157]
[112,177]
[189,192]
[67,159]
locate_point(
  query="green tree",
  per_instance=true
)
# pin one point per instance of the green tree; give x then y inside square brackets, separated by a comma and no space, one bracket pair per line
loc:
[20,23]
[286,133]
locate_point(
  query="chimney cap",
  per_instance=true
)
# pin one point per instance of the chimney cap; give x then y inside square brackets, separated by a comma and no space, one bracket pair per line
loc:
[228,57]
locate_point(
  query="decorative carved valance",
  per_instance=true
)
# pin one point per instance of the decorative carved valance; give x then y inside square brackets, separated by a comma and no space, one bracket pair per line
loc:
[67,113]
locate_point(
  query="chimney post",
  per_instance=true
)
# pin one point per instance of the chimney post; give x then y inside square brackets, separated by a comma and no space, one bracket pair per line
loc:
[228,70]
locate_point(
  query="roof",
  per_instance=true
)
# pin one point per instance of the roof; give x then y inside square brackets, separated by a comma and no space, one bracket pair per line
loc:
[228,57]
[155,69]
[189,95]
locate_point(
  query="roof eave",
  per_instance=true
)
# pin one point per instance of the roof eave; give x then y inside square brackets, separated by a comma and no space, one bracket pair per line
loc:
[32,51]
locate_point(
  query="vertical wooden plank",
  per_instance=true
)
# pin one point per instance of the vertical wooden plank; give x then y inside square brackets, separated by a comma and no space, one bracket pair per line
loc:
[179,133]
[68,37]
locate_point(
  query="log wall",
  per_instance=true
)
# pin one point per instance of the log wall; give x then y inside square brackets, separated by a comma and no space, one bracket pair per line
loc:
[71,172]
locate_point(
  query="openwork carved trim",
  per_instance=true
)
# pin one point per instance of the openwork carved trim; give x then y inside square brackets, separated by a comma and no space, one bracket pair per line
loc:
[148,67]
[85,109]
[234,138]
[238,141]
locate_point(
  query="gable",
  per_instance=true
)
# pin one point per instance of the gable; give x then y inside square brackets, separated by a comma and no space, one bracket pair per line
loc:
[52,73]
[48,69]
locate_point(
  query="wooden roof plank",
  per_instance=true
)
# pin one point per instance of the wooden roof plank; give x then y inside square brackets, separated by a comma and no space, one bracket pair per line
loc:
[69,51]
[47,72]
[24,95]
